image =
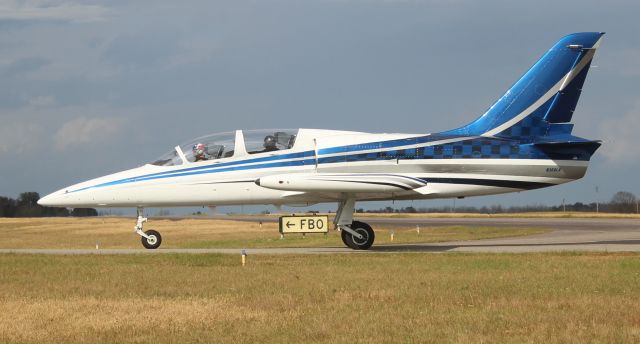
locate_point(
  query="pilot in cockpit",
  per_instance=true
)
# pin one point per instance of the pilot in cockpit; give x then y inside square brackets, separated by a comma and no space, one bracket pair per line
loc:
[270,144]
[199,152]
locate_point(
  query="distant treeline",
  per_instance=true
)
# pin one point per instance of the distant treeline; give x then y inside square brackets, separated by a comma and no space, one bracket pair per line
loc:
[621,202]
[27,206]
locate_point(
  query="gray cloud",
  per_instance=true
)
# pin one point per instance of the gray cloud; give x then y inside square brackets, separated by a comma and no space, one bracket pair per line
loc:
[177,71]
[18,137]
[86,131]
[41,101]
[20,66]
[625,61]
[621,137]
[52,10]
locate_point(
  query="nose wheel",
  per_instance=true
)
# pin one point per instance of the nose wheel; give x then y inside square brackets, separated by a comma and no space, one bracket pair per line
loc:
[358,236]
[151,239]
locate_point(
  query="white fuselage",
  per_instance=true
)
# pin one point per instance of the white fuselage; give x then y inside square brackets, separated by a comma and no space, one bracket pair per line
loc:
[322,166]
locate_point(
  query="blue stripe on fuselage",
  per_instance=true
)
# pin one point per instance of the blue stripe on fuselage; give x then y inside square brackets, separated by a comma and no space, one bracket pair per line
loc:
[200,171]
[525,152]
[232,163]
[387,144]
[211,168]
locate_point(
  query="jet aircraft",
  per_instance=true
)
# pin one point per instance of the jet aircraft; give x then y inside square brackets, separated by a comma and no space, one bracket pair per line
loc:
[523,141]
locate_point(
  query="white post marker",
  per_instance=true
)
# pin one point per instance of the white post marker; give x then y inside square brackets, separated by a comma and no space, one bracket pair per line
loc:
[244,257]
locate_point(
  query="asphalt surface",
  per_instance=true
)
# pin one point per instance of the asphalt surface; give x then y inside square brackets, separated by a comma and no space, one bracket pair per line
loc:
[566,234]
[488,221]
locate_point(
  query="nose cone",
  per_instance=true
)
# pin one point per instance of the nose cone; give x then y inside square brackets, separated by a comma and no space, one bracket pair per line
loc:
[51,200]
[43,201]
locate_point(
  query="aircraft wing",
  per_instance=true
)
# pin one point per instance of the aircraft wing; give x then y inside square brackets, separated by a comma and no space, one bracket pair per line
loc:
[343,182]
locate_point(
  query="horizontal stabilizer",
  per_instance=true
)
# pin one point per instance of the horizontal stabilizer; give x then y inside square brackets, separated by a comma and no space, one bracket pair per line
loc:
[567,143]
[570,150]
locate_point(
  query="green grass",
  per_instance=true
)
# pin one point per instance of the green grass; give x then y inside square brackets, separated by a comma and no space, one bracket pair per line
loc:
[568,298]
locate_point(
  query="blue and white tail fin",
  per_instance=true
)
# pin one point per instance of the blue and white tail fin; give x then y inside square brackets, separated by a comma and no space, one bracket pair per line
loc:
[542,102]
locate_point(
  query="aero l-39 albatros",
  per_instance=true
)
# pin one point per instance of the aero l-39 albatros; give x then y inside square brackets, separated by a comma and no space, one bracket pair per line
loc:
[522,142]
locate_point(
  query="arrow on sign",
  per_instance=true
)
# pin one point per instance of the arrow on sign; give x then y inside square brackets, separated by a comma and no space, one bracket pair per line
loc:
[289,224]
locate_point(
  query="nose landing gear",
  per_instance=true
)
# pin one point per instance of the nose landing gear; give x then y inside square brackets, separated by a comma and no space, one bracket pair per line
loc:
[151,239]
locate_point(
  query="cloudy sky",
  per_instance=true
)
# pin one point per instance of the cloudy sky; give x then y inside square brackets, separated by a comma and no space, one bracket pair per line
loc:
[93,87]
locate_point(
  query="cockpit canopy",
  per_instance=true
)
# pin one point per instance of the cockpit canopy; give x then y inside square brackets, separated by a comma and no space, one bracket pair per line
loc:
[261,141]
[224,145]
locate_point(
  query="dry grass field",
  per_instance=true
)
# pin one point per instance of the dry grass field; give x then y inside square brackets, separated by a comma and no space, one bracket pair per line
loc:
[365,298]
[111,232]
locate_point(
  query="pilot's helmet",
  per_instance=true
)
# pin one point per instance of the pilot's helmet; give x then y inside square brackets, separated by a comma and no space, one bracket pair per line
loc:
[269,142]
[198,149]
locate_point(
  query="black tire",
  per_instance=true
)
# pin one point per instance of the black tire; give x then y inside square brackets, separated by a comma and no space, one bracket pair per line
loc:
[346,239]
[154,243]
[359,244]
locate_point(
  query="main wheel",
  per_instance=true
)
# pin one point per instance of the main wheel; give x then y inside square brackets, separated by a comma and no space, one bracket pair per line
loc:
[368,236]
[154,240]
[346,239]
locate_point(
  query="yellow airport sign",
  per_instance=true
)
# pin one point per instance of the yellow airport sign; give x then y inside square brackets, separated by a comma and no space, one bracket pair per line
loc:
[304,224]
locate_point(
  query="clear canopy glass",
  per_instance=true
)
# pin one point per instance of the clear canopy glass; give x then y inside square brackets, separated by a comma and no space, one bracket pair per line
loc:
[222,145]
[269,140]
[209,147]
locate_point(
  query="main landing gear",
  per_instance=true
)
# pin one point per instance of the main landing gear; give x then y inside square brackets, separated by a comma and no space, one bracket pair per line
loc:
[364,241]
[150,239]
[355,234]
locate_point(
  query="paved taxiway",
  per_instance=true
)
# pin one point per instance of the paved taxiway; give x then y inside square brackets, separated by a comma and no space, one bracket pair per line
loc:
[566,234]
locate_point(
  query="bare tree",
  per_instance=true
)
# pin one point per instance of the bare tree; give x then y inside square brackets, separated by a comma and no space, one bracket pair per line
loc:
[623,202]
[28,199]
